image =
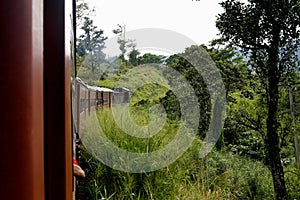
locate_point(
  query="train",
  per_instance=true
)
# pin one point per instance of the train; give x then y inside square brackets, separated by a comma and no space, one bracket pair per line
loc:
[38,75]
[87,99]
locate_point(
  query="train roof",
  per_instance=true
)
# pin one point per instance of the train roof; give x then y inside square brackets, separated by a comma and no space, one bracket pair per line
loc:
[94,88]
[100,89]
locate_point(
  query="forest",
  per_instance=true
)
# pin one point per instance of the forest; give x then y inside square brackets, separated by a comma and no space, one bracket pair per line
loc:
[256,154]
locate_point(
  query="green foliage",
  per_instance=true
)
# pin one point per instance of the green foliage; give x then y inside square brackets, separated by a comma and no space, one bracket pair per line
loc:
[106,83]
[133,57]
[124,43]
[221,175]
[143,99]
[89,45]
[83,10]
[292,178]
[187,70]
[239,173]
[268,32]
[247,115]
[149,58]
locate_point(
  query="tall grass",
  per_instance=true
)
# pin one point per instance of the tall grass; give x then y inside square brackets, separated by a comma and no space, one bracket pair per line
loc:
[220,175]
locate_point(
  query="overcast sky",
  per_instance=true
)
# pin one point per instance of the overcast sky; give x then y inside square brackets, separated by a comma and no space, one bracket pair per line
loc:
[194,19]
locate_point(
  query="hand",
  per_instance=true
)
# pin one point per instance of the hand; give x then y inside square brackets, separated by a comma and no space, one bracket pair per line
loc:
[78,172]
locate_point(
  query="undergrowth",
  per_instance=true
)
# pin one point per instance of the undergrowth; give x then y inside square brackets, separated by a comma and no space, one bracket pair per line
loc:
[220,175]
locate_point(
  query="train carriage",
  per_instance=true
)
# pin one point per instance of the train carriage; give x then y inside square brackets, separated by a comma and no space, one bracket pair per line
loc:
[37,73]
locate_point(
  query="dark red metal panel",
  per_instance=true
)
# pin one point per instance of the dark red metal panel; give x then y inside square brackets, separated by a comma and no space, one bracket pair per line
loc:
[58,62]
[110,99]
[89,102]
[77,105]
[21,102]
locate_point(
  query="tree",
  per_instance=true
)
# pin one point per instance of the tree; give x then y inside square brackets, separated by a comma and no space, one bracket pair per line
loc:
[123,42]
[235,75]
[133,56]
[91,43]
[150,58]
[196,81]
[82,10]
[232,66]
[268,32]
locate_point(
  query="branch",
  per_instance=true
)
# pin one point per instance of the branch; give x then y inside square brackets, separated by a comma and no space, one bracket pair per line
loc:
[292,173]
[254,124]
[252,47]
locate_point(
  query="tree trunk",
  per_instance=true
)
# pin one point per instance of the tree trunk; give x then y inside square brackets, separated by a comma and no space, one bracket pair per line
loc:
[273,151]
[92,63]
[272,139]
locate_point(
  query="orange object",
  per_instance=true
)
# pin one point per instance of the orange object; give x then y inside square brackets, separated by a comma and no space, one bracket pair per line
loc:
[75,161]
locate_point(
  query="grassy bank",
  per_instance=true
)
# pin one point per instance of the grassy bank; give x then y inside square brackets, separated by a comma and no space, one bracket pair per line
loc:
[220,175]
